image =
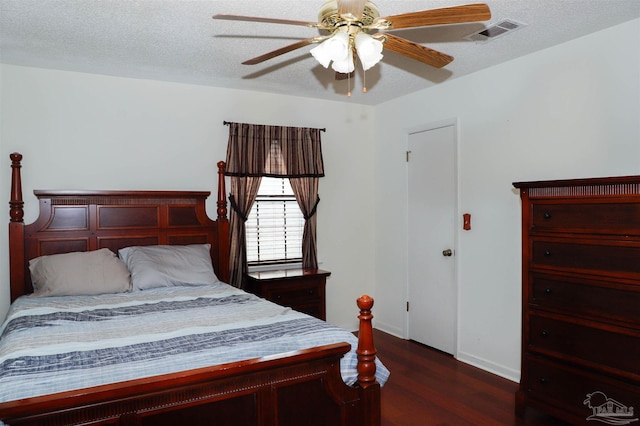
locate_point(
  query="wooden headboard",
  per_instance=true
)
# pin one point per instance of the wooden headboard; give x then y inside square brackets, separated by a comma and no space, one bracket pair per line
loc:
[71,221]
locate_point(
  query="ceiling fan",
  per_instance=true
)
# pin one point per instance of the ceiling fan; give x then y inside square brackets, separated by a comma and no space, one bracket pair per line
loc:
[349,22]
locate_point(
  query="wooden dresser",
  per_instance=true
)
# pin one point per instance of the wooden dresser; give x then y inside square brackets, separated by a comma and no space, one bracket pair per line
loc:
[300,289]
[581,299]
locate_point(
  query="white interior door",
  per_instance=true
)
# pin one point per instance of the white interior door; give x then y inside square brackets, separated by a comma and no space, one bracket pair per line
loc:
[432,191]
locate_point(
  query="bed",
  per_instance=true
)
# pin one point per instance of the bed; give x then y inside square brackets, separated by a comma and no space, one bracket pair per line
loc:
[300,381]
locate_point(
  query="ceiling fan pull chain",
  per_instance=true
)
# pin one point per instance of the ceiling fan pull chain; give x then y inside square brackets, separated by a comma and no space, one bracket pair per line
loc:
[364,81]
[364,75]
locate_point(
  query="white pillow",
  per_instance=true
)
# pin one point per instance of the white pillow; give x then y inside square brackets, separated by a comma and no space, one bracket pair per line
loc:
[79,273]
[168,266]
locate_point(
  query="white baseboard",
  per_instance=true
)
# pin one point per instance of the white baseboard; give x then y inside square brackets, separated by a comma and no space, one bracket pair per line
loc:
[394,331]
[491,367]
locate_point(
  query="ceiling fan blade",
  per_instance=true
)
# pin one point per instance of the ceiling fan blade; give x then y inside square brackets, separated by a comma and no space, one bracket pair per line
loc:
[447,15]
[351,9]
[283,50]
[413,50]
[267,20]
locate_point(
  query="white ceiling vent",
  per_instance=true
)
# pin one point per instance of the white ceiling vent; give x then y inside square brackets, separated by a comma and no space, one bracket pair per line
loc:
[495,31]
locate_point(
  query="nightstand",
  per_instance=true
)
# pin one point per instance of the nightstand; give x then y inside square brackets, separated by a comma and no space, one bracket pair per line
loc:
[300,289]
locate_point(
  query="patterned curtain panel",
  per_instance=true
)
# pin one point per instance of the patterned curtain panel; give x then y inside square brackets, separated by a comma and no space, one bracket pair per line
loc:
[243,192]
[260,150]
[256,150]
[306,192]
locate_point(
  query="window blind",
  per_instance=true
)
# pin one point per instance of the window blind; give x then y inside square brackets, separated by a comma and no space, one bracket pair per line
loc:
[275,224]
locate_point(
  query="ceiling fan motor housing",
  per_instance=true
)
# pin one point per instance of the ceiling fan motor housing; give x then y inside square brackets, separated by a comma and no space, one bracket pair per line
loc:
[331,18]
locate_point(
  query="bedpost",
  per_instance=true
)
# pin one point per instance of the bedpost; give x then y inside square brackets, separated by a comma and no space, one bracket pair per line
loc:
[366,350]
[222,192]
[17,211]
[16,229]
[223,226]
[366,353]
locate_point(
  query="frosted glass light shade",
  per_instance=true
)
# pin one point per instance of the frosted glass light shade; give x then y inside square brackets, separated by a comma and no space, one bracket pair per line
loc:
[345,65]
[369,50]
[335,49]
[322,54]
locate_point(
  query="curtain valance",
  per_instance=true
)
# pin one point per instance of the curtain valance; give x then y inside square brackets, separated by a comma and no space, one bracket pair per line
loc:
[276,151]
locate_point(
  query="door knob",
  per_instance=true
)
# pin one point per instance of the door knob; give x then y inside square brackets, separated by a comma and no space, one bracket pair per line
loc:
[447,252]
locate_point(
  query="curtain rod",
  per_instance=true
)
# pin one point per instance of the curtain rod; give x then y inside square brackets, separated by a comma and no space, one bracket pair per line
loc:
[226,123]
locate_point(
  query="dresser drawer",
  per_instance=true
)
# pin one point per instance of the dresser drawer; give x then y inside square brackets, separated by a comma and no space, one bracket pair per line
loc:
[592,298]
[602,218]
[579,393]
[611,348]
[298,295]
[614,257]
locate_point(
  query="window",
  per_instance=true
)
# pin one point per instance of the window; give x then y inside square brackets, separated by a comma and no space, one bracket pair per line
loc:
[275,224]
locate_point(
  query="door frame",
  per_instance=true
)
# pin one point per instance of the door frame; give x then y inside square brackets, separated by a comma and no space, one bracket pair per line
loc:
[455,122]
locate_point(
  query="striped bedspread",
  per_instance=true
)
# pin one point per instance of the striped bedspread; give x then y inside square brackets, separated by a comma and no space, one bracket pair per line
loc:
[55,344]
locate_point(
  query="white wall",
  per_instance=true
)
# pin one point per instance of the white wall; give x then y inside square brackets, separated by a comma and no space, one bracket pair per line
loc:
[80,131]
[571,111]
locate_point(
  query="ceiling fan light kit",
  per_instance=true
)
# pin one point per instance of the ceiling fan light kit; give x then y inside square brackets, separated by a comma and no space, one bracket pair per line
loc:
[350,21]
[340,48]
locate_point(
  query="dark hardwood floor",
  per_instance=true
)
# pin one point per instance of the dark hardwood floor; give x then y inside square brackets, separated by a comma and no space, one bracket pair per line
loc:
[428,387]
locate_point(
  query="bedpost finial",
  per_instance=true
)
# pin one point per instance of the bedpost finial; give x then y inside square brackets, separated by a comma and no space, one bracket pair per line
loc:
[365,302]
[16,211]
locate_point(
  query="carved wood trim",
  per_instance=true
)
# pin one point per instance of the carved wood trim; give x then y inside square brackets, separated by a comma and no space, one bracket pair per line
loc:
[614,186]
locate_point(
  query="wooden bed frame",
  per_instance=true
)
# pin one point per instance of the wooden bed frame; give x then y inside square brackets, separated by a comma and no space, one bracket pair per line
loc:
[300,388]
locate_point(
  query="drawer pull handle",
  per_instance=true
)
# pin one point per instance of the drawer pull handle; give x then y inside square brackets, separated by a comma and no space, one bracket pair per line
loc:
[544,333]
[278,297]
[547,215]
[548,290]
[547,253]
[310,292]
[543,380]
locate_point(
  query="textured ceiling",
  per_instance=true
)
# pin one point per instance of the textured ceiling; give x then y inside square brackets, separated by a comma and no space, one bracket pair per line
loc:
[176,40]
